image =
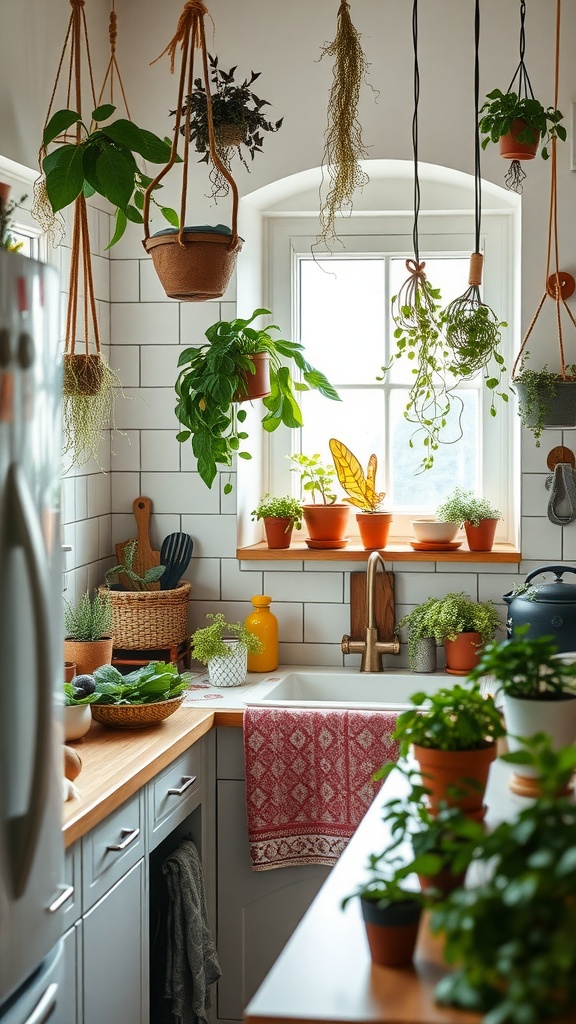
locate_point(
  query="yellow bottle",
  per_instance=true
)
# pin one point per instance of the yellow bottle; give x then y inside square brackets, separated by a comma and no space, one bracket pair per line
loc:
[265,625]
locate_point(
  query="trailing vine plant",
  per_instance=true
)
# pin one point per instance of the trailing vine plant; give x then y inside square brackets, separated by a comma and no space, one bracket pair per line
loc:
[343,145]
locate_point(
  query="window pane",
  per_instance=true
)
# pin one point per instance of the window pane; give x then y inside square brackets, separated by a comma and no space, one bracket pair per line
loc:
[342,317]
[453,463]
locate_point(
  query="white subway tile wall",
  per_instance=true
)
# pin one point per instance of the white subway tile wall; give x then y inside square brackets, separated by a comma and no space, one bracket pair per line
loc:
[310,600]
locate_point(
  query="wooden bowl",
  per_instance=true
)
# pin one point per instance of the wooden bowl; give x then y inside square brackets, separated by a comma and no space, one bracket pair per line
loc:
[135,716]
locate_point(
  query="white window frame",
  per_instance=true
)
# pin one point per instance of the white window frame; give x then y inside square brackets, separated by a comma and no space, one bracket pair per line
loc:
[21,180]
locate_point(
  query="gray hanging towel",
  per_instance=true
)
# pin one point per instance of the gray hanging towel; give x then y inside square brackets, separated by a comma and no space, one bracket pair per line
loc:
[191,959]
[562,486]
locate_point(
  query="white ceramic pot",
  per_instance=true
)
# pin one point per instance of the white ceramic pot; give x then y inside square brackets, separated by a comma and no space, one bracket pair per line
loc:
[429,532]
[229,669]
[77,721]
[525,717]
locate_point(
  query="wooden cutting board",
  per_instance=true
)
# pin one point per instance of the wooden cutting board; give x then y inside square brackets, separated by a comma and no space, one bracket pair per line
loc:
[383,606]
[146,557]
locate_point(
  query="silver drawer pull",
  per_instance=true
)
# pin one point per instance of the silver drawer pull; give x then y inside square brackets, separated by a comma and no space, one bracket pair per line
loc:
[45,1008]
[187,781]
[62,898]
[130,835]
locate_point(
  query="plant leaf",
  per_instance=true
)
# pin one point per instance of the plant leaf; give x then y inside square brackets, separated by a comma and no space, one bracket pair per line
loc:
[64,176]
[148,145]
[58,123]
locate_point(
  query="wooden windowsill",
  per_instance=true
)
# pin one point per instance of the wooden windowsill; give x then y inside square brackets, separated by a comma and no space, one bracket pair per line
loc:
[397,551]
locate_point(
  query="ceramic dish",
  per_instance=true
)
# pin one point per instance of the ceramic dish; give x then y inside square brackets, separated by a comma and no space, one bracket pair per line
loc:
[431,546]
[428,531]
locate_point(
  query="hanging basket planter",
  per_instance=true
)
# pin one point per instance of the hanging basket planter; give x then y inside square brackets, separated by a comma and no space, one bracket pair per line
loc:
[548,404]
[83,374]
[193,263]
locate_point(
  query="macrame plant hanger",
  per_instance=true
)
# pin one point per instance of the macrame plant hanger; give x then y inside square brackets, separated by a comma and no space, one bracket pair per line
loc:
[193,264]
[515,175]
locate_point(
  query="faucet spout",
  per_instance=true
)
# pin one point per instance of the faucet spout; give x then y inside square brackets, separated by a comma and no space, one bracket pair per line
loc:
[371,648]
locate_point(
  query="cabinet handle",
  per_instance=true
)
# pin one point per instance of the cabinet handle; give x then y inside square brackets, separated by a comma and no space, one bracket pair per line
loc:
[45,1008]
[187,781]
[62,898]
[130,835]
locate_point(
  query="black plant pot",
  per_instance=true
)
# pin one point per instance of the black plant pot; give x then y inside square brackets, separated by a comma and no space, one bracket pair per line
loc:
[553,407]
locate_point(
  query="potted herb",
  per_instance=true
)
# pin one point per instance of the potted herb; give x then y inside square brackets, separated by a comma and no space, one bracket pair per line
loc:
[88,631]
[224,648]
[125,575]
[519,124]
[477,515]
[373,522]
[463,626]
[453,734]
[326,519]
[538,688]
[237,115]
[281,516]
[546,399]
[391,910]
[511,938]
[216,376]
[421,640]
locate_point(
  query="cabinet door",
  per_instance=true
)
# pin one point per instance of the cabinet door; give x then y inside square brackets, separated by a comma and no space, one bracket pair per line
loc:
[116,953]
[257,910]
[68,1008]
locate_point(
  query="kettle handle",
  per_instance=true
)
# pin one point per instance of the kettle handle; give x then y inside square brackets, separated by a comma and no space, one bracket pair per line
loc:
[558,570]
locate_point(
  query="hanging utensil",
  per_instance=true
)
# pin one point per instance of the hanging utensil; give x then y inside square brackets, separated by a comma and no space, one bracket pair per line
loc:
[175,554]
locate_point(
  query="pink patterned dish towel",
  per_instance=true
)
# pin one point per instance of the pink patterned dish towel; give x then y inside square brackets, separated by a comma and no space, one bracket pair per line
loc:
[309,780]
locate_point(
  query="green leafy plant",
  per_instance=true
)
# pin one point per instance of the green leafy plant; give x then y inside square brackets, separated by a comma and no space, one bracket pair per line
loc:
[90,618]
[511,937]
[148,684]
[208,641]
[457,613]
[126,569]
[360,488]
[101,159]
[234,106]
[418,625]
[456,718]
[212,379]
[525,666]
[7,208]
[315,477]
[536,391]
[463,507]
[500,110]
[279,508]
[386,884]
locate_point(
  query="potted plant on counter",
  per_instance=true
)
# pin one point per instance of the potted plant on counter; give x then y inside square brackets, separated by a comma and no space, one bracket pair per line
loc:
[421,640]
[239,363]
[224,648]
[453,733]
[464,626]
[326,519]
[373,522]
[88,631]
[477,515]
[281,516]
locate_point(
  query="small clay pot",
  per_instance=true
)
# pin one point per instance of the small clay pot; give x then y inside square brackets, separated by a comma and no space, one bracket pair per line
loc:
[374,528]
[278,531]
[392,931]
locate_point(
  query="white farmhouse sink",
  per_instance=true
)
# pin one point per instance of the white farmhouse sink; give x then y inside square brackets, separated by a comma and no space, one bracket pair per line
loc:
[344,689]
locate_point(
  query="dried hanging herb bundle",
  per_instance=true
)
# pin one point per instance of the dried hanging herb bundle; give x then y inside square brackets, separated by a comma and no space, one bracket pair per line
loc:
[85,416]
[343,145]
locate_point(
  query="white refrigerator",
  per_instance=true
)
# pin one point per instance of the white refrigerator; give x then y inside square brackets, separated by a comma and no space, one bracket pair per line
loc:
[32,889]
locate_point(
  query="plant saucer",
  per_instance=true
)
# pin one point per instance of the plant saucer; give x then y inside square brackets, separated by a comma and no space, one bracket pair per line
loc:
[328,544]
[429,545]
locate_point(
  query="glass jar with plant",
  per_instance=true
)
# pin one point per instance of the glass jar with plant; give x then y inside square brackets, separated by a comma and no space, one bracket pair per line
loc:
[326,519]
[477,515]
[464,626]
[215,377]
[224,647]
[373,522]
[281,516]
[453,733]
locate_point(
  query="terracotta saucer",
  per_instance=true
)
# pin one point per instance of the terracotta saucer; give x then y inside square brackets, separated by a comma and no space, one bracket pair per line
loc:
[428,545]
[327,543]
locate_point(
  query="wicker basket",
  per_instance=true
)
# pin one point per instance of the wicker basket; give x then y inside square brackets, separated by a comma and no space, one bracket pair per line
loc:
[135,716]
[150,618]
[197,270]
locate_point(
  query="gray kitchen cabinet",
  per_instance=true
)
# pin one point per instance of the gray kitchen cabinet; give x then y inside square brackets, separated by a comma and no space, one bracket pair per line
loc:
[257,910]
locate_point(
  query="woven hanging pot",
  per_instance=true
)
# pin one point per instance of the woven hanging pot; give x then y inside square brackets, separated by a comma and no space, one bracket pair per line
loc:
[83,374]
[198,269]
[229,135]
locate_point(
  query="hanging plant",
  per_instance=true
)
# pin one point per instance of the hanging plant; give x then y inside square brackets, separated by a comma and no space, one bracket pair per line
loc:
[343,145]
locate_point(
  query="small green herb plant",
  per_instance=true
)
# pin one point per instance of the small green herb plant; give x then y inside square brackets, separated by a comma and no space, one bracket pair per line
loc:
[536,390]
[101,159]
[126,569]
[463,507]
[208,641]
[387,881]
[418,624]
[500,110]
[456,718]
[315,477]
[279,508]
[527,667]
[456,613]
[149,684]
[212,376]
[90,618]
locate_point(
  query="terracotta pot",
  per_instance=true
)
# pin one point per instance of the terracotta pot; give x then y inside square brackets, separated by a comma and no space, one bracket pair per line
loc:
[511,149]
[4,192]
[391,931]
[444,881]
[69,671]
[481,537]
[327,524]
[457,777]
[462,654]
[374,529]
[257,384]
[278,531]
[88,654]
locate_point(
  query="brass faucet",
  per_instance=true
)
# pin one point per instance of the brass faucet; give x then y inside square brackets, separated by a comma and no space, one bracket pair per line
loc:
[371,648]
